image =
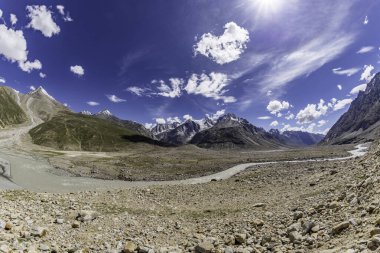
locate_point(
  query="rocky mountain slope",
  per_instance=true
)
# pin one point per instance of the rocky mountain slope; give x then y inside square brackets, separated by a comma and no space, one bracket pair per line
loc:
[11,112]
[361,123]
[230,131]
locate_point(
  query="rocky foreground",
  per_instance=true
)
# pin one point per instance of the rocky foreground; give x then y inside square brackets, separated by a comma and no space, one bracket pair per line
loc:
[310,207]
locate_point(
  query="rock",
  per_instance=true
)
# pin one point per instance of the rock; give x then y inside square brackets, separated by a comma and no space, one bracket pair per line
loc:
[297,215]
[375,231]
[377,222]
[44,247]
[86,215]
[340,227]
[4,249]
[228,249]
[8,226]
[259,205]
[38,231]
[374,243]
[75,224]
[295,237]
[59,221]
[129,247]
[204,247]
[240,238]
[257,222]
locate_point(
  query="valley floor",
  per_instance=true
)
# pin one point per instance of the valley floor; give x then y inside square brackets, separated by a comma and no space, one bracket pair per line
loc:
[330,206]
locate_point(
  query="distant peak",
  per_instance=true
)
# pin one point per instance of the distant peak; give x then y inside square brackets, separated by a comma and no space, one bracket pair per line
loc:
[105,112]
[86,113]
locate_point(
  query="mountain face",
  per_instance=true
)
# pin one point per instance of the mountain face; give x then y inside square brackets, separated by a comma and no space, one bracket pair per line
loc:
[361,123]
[78,132]
[230,131]
[297,138]
[107,115]
[180,134]
[11,112]
[36,106]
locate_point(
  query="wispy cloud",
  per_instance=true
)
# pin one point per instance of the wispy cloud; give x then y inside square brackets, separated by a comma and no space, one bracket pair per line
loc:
[365,50]
[115,99]
[318,43]
[345,72]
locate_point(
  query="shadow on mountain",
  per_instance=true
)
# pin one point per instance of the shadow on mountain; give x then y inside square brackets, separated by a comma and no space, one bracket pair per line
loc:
[147,140]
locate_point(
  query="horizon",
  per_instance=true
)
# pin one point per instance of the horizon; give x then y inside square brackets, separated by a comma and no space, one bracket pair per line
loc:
[166,60]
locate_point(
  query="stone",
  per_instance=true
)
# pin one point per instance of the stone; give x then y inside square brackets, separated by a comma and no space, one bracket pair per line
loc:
[87,215]
[75,224]
[204,247]
[295,237]
[340,227]
[8,226]
[375,231]
[129,247]
[257,222]
[259,205]
[59,221]
[374,243]
[240,238]
[39,231]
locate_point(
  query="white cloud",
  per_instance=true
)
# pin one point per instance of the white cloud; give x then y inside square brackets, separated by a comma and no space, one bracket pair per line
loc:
[210,86]
[28,66]
[160,121]
[274,123]
[367,73]
[13,47]
[115,99]
[290,116]
[1,13]
[32,87]
[42,75]
[41,20]
[310,129]
[2,80]
[346,72]
[61,10]
[264,117]
[187,117]
[312,112]
[275,107]
[13,19]
[172,120]
[342,104]
[358,88]
[322,123]
[366,20]
[137,90]
[77,69]
[225,48]
[365,50]
[92,103]
[148,126]
[217,115]
[174,90]
[339,87]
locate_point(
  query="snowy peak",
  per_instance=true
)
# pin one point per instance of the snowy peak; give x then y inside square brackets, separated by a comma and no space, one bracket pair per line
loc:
[42,92]
[86,113]
[105,113]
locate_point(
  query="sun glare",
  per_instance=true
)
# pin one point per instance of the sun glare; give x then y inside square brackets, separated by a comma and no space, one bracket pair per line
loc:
[268,6]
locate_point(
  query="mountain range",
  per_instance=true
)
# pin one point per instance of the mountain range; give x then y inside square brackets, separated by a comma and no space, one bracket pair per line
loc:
[58,127]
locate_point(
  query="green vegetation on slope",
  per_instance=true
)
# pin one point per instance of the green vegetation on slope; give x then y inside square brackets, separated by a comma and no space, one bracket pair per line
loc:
[71,131]
[10,112]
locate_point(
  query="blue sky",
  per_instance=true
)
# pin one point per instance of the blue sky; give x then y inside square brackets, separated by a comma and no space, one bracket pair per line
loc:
[288,64]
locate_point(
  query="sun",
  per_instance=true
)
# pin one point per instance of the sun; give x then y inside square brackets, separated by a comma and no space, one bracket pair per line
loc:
[268,6]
